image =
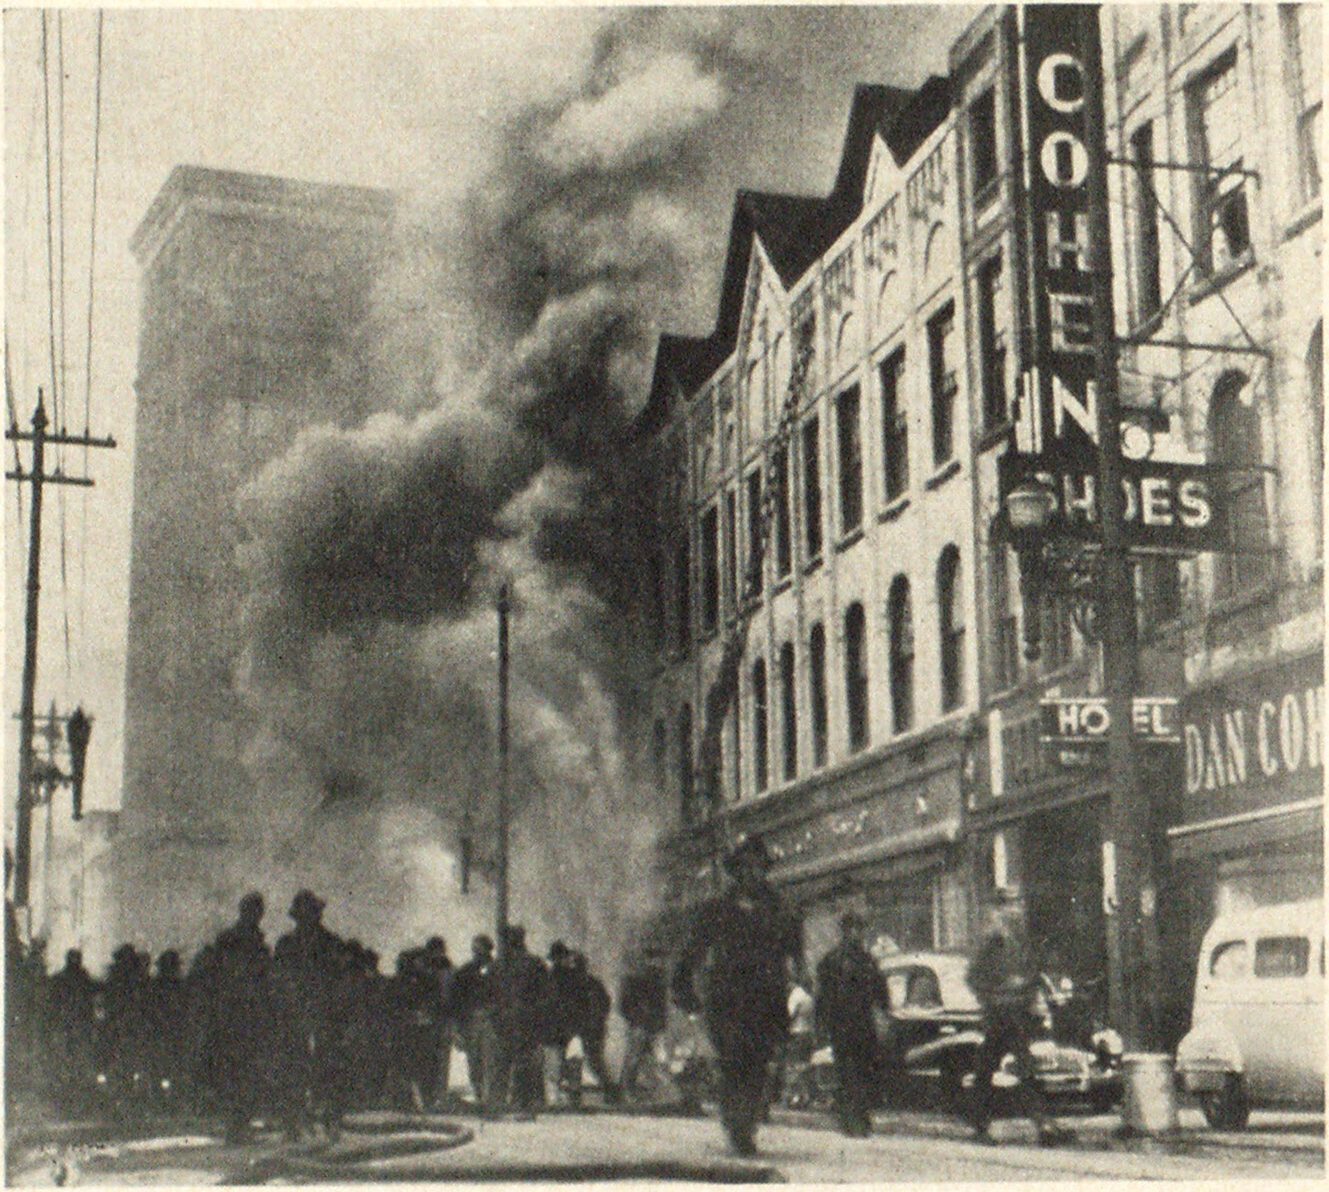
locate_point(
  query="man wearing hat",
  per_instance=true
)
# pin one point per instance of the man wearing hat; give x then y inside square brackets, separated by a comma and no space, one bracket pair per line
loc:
[310,967]
[850,987]
[1004,977]
[520,995]
[557,1026]
[743,944]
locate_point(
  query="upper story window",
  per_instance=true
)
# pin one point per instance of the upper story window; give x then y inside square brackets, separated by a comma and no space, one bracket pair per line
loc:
[983,154]
[756,535]
[950,612]
[812,487]
[991,343]
[788,711]
[1223,235]
[683,594]
[1301,23]
[1237,445]
[710,569]
[856,676]
[760,744]
[851,460]
[731,549]
[900,622]
[817,692]
[1147,292]
[894,425]
[783,547]
[1006,650]
[944,382]
[686,781]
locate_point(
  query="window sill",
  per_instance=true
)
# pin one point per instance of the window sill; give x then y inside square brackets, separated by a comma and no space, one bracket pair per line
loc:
[1212,283]
[943,474]
[995,435]
[894,509]
[1303,219]
[847,540]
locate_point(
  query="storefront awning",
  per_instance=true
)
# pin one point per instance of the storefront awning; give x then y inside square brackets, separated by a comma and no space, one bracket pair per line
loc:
[1240,833]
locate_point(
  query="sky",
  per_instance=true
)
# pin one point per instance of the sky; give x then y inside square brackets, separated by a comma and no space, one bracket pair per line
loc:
[415,101]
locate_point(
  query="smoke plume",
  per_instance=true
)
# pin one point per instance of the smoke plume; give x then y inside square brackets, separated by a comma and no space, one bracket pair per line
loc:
[520,325]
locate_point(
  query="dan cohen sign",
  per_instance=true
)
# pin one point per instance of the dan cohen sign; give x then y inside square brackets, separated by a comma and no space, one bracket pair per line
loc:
[1255,742]
[1169,506]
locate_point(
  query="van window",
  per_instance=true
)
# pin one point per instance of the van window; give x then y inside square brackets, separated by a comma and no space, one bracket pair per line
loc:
[1282,956]
[1228,960]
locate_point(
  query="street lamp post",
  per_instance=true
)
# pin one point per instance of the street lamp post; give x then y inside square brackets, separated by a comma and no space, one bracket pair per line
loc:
[501,893]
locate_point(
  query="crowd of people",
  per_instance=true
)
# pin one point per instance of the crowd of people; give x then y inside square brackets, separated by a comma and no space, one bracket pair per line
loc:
[303,1031]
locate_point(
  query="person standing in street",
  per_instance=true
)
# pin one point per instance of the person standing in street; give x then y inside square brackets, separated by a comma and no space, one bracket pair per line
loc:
[850,988]
[743,945]
[469,1006]
[438,966]
[643,1001]
[590,1023]
[1004,977]
[557,1026]
[520,984]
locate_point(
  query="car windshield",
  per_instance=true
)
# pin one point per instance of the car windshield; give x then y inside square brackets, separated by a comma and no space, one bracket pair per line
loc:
[938,984]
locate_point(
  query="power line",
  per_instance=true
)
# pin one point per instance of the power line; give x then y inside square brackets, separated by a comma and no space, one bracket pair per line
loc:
[64,307]
[50,236]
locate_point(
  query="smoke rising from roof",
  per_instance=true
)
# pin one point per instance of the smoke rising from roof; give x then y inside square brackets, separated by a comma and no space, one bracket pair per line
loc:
[373,553]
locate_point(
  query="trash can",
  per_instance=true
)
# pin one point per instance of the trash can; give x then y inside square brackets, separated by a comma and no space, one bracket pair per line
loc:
[1149,1099]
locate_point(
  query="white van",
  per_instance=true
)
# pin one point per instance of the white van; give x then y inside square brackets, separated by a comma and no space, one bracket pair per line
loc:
[1257,1031]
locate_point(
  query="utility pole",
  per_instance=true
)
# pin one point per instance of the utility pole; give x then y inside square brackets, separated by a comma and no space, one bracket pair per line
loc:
[1133,931]
[501,898]
[38,478]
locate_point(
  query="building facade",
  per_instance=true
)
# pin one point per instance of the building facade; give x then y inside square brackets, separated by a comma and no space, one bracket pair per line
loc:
[254,324]
[885,737]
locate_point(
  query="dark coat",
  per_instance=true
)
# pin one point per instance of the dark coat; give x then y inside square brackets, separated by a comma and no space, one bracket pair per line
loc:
[849,987]
[470,990]
[643,999]
[1002,973]
[521,993]
[591,1006]
[738,949]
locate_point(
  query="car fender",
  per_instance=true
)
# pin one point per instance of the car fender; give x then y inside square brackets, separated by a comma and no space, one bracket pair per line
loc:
[1207,1047]
[937,1050]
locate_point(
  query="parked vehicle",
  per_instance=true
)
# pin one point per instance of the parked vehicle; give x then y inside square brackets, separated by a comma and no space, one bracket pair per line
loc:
[935,1029]
[1257,1029]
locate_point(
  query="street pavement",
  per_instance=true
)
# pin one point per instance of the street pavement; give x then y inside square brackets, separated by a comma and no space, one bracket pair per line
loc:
[602,1145]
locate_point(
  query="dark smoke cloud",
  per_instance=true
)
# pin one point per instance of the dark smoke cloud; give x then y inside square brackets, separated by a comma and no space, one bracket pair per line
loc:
[520,327]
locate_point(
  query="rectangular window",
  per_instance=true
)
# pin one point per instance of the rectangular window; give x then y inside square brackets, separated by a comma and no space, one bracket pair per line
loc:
[991,344]
[710,569]
[894,425]
[789,710]
[1148,278]
[1282,956]
[944,383]
[1305,49]
[1223,222]
[731,549]
[983,156]
[812,488]
[1159,591]
[817,686]
[756,561]
[761,776]
[683,595]
[1006,656]
[783,552]
[851,460]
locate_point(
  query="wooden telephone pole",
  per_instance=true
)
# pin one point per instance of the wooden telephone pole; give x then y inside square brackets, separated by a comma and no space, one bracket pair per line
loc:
[38,477]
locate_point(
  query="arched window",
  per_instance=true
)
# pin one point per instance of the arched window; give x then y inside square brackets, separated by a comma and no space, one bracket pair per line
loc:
[1236,444]
[817,684]
[856,676]
[900,618]
[951,622]
[760,750]
[788,711]
[685,779]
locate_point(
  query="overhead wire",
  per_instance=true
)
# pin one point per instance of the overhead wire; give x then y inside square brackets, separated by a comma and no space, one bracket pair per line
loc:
[59,421]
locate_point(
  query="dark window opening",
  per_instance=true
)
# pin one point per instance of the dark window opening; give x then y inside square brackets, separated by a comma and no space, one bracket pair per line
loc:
[812,488]
[1160,592]
[783,551]
[760,745]
[683,595]
[710,569]
[951,616]
[817,683]
[851,460]
[1236,444]
[856,676]
[983,155]
[731,549]
[991,344]
[944,382]
[894,425]
[756,561]
[686,783]
[1006,655]
[788,710]
[1148,275]
[1216,122]
[900,616]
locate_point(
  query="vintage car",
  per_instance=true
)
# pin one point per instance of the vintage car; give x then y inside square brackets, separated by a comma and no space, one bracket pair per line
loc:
[1257,1030]
[935,1029]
